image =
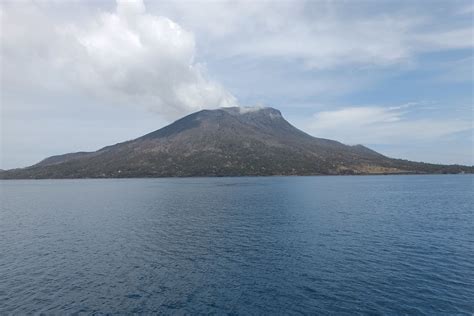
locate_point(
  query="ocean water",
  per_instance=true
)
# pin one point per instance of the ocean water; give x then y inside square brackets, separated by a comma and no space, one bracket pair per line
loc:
[277,245]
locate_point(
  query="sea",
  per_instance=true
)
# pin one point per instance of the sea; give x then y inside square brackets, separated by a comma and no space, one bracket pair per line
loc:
[325,245]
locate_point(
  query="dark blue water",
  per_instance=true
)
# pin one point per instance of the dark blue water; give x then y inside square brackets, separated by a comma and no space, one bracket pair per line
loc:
[327,245]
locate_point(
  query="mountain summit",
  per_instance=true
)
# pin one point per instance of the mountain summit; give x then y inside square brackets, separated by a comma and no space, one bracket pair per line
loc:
[225,142]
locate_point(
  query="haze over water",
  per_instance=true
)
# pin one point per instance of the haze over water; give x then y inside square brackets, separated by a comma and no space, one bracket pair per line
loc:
[368,244]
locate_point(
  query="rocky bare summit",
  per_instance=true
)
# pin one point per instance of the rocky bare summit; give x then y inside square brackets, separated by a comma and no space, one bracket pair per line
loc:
[225,142]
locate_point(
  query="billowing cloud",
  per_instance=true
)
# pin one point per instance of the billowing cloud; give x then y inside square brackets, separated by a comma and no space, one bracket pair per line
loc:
[382,125]
[126,56]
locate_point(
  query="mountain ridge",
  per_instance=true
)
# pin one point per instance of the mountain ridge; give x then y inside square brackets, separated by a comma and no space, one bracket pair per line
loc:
[225,142]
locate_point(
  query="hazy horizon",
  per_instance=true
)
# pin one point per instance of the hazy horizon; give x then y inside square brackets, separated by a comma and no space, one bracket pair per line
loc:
[395,77]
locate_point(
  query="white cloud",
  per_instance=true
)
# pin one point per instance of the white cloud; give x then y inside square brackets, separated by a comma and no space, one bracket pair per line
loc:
[380,125]
[127,56]
[322,34]
[444,40]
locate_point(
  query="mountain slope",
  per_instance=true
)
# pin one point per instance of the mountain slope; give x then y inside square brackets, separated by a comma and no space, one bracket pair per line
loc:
[225,142]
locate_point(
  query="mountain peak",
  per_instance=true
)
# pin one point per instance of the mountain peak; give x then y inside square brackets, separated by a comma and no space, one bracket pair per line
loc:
[253,110]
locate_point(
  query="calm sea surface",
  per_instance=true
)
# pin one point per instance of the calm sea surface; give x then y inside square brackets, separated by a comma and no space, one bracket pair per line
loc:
[279,245]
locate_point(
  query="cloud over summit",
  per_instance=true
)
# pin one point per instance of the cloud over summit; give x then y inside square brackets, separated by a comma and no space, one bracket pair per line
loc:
[125,56]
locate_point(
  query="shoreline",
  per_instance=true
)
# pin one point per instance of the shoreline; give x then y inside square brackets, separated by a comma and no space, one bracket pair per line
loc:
[246,176]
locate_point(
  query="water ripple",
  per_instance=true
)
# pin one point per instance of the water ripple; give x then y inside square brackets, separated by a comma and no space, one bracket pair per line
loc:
[283,245]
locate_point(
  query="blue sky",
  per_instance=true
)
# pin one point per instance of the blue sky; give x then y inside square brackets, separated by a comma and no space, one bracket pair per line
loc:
[396,76]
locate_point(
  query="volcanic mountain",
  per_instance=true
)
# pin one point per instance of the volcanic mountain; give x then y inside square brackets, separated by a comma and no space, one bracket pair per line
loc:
[225,142]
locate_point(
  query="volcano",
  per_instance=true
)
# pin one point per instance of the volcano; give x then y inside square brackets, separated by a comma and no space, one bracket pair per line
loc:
[225,142]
